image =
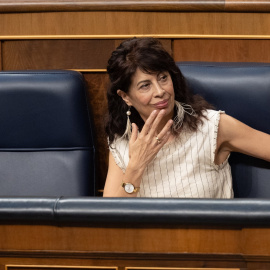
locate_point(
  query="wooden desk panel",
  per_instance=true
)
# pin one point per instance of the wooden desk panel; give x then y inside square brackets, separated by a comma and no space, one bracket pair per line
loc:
[143,240]
[241,248]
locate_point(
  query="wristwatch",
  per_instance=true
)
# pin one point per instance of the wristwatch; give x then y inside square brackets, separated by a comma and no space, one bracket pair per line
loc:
[129,188]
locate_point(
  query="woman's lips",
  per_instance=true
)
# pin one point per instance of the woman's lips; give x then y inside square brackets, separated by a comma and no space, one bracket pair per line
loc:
[162,104]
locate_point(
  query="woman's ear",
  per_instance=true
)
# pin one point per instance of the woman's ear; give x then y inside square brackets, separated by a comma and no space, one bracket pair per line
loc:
[124,96]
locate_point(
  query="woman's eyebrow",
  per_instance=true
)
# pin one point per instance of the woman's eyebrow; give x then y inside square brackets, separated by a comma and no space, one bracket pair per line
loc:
[144,81]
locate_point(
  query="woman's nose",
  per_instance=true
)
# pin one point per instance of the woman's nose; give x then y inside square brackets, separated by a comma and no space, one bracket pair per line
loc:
[159,91]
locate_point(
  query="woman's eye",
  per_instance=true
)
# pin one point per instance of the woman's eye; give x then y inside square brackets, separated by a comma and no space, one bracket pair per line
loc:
[163,78]
[144,86]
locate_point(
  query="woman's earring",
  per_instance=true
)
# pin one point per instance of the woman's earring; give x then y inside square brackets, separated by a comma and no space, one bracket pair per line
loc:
[178,119]
[127,132]
[181,109]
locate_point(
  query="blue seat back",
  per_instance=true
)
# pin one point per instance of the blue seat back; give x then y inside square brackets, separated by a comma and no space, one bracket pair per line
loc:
[46,136]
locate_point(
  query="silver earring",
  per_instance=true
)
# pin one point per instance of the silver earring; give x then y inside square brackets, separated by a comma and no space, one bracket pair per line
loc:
[127,133]
[181,109]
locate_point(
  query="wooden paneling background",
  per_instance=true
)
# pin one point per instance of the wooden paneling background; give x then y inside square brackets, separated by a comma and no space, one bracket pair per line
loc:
[59,54]
[224,50]
[108,24]
[97,83]
[81,35]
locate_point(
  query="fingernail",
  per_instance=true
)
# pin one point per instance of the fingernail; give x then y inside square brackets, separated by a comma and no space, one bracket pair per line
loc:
[154,112]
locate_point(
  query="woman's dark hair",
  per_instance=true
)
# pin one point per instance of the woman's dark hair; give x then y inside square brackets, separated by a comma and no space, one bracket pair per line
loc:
[149,56]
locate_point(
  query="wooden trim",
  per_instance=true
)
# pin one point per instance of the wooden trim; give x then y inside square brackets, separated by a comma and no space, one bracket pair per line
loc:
[131,255]
[134,5]
[161,36]
[8,266]
[172,268]
[110,5]
[90,70]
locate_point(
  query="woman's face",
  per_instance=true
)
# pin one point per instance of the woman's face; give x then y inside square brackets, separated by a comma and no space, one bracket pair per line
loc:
[150,92]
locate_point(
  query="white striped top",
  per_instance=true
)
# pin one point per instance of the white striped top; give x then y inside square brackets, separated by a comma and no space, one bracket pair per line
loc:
[184,168]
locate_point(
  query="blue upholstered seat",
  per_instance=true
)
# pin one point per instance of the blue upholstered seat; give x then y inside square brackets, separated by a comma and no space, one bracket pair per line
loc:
[242,90]
[46,136]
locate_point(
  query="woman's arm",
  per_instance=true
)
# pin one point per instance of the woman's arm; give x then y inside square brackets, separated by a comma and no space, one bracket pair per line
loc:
[235,136]
[115,177]
[143,147]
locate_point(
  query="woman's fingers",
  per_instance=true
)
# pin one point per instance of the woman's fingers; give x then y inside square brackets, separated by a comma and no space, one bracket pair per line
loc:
[164,135]
[156,122]
[162,140]
[134,133]
[152,122]
[149,122]
[165,129]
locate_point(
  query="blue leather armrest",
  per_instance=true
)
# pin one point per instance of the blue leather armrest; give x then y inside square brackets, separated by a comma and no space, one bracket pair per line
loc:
[106,212]
[38,209]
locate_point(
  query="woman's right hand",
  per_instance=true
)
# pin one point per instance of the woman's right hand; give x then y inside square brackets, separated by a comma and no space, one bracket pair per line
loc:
[144,146]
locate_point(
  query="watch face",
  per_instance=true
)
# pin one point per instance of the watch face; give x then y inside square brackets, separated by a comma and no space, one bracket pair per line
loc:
[129,188]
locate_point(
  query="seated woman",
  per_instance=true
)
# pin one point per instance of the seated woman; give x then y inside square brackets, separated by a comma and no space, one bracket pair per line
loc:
[163,140]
